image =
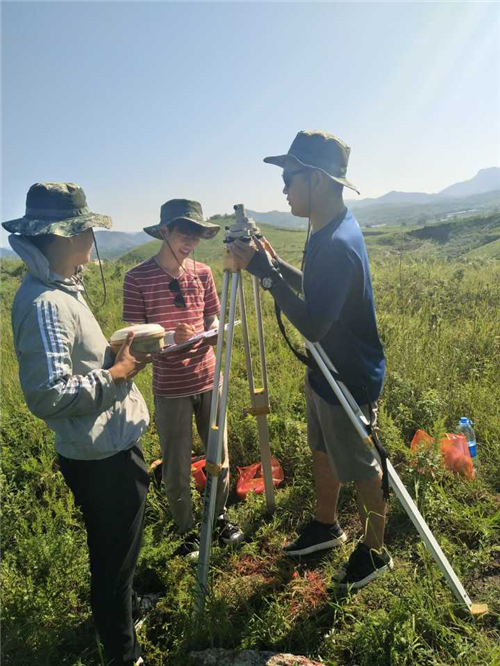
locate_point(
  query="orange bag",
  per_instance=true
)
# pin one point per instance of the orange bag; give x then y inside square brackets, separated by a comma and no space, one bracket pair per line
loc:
[251,478]
[197,471]
[199,476]
[454,450]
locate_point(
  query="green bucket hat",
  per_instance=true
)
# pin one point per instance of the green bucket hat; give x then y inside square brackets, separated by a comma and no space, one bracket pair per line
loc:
[318,150]
[177,210]
[56,208]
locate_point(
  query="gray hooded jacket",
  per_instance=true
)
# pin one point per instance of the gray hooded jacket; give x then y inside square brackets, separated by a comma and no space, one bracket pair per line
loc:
[63,356]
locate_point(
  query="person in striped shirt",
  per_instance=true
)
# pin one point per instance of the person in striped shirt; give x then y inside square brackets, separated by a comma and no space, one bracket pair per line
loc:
[173,290]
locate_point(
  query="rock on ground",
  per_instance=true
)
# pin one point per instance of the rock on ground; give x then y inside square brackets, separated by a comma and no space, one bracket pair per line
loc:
[221,657]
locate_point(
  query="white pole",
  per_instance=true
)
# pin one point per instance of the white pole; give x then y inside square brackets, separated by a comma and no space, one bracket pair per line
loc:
[215,442]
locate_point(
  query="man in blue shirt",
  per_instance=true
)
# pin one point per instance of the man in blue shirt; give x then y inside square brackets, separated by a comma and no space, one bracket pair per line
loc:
[331,302]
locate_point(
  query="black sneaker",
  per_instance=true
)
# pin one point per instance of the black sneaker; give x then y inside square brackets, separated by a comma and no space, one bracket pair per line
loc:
[364,565]
[228,532]
[316,536]
[190,547]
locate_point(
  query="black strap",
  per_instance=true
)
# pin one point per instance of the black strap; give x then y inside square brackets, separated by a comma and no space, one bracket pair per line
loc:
[306,358]
[381,451]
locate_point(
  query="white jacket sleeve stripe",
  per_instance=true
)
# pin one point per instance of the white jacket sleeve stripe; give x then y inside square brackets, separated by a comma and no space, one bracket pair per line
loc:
[54,348]
[43,332]
[57,348]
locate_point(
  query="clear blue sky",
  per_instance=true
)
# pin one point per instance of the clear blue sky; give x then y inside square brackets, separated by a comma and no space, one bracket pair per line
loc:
[143,102]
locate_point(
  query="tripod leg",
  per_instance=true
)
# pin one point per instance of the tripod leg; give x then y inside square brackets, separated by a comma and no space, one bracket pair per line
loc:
[246,342]
[258,397]
[215,441]
[262,405]
[397,485]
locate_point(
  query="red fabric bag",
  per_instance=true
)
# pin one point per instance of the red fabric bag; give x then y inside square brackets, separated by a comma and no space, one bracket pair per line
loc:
[199,476]
[197,465]
[250,478]
[454,450]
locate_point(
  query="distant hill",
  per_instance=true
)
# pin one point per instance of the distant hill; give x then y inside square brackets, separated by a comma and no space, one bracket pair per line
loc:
[485,180]
[480,193]
[393,197]
[424,213]
[6,253]
[396,208]
[278,218]
[113,244]
[470,237]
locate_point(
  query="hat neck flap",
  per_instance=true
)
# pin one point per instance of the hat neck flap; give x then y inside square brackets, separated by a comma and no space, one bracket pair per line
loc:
[37,264]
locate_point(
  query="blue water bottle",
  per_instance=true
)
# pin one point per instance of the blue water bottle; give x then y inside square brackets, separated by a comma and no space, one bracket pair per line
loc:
[465,427]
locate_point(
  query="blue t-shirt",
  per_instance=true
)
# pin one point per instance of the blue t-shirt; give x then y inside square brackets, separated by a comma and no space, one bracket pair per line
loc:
[337,285]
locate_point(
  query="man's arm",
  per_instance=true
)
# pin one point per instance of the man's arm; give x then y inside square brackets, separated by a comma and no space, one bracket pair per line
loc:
[290,274]
[328,289]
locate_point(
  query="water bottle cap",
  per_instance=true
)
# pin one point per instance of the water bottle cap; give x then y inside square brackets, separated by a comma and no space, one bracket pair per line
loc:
[464,420]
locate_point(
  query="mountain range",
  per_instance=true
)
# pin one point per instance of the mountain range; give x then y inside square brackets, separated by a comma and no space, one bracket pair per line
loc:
[477,195]
[482,192]
[486,180]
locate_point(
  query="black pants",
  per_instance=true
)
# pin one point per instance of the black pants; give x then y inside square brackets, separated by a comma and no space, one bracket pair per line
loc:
[112,496]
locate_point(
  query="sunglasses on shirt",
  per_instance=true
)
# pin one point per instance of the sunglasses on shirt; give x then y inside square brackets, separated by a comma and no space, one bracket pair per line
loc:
[175,288]
[288,176]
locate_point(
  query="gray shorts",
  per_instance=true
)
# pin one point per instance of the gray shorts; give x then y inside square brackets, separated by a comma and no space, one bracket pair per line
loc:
[330,431]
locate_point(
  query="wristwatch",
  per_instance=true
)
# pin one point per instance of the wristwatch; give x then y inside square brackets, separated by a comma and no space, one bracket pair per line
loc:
[267,283]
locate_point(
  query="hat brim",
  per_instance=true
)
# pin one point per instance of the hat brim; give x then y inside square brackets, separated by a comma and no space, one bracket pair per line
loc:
[207,229]
[282,160]
[28,226]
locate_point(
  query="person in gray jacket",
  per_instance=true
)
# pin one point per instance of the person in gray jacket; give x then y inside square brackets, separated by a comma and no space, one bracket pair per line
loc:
[71,379]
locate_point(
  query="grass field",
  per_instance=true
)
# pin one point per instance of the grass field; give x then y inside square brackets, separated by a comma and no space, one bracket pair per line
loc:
[440,325]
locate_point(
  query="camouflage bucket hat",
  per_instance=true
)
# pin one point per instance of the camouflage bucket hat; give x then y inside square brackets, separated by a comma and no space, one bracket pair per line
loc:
[182,210]
[318,150]
[56,208]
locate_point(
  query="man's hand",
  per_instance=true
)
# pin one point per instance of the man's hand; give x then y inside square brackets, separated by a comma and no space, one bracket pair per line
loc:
[263,243]
[183,332]
[242,253]
[126,365]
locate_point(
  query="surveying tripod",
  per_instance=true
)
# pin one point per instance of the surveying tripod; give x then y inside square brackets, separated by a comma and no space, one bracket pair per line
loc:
[260,407]
[244,229]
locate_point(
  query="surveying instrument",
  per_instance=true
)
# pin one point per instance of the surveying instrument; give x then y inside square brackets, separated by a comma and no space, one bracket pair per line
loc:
[245,229]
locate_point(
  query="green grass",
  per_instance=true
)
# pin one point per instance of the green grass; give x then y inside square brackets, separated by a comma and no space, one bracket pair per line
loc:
[440,323]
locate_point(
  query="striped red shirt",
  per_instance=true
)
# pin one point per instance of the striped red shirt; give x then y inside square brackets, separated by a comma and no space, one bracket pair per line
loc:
[147,299]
